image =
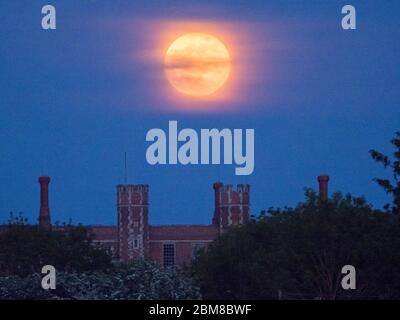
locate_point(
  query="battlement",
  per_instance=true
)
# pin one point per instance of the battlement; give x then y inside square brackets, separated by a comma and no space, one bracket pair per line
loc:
[228,195]
[133,188]
[132,194]
[240,188]
[232,205]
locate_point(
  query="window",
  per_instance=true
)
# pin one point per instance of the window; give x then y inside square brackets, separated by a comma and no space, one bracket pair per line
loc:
[137,242]
[169,254]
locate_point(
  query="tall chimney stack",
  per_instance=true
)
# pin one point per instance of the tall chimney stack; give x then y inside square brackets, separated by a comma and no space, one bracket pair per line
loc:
[323,187]
[217,199]
[44,214]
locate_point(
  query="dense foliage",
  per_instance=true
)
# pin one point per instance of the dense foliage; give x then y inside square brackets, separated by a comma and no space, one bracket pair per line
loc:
[391,186]
[25,249]
[141,280]
[299,253]
[84,271]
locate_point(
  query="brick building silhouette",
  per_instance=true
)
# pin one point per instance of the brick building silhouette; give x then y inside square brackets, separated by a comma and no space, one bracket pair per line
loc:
[134,238]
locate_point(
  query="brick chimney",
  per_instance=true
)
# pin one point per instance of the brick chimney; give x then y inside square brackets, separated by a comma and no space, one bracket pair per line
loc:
[217,199]
[44,213]
[323,187]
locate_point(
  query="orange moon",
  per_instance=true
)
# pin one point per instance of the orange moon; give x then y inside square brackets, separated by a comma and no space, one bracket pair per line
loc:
[197,64]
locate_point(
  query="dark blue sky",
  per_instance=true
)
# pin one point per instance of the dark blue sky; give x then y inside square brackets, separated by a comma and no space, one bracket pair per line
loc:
[73,100]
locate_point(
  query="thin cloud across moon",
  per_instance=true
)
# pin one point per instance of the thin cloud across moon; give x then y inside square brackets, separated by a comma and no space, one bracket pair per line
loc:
[197,64]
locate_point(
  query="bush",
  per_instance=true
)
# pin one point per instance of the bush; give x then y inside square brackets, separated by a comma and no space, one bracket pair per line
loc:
[25,249]
[140,280]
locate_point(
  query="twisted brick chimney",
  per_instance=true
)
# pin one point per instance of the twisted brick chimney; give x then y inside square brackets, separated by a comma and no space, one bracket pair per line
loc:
[44,213]
[323,187]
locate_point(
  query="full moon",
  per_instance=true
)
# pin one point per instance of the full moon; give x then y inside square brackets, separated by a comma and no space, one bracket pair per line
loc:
[197,64]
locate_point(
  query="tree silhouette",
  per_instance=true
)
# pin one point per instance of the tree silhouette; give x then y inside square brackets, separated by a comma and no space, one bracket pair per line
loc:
[25,248]
[391,187]
[299,253]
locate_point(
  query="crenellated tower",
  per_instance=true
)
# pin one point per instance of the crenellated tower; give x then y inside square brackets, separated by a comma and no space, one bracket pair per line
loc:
[232,206]
[133,226]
